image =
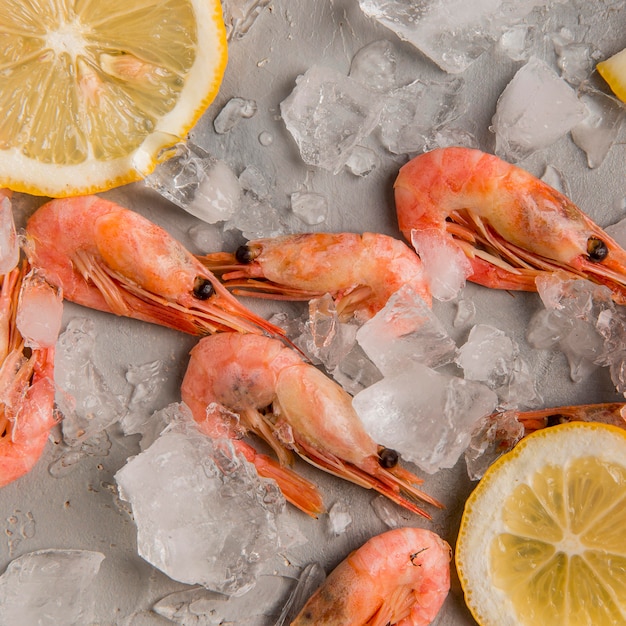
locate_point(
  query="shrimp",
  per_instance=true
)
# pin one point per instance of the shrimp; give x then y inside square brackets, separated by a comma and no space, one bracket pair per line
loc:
[293,406]
[399,577]
[109,258]
[361,272]
[510,225]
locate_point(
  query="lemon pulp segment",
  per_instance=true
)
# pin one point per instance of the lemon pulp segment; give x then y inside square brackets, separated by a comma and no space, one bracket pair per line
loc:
[613,70]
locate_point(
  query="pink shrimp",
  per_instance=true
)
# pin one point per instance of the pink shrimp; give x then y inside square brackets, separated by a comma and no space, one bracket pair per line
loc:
[293,406]
[109,258]
[361,272]
[510,225]
[399,577]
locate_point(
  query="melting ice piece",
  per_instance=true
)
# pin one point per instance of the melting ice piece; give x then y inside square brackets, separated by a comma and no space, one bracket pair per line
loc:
[496,435]
[310,207]
[414,113]
[388,512]
[375,66]
[453,33]
[428,417]
[235,110]
[516,41]
[362,161]
[9,247]
[39,312]
[328,113]
[598,131]
[573,58]
[535,109]
[310,579]
[49,587]
[203,514]
[339,518]
[198,183]
[405,330]
[465,312]
[202,607]
[82,395]
[240,15]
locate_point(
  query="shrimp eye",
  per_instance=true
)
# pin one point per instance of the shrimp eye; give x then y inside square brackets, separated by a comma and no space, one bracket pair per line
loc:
[244,255]
[202,288]
[388,458]
[596,249]
[556,419]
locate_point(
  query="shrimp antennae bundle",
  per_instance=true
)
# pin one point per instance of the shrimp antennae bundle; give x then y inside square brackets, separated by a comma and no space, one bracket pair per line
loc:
[109,258]
[293,406]
[510,225]
[361,272]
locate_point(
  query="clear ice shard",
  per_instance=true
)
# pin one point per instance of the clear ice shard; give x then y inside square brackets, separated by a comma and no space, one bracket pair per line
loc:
[453,33]
[535,109]
[405,330]
[49,588]
[203,514]
[311,578]
[375,65]
[328,114]
[427,416]
[240,15]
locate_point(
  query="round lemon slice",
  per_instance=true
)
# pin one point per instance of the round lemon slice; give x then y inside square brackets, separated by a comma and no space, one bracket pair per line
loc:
[543,535]
[92,91]
[613,70]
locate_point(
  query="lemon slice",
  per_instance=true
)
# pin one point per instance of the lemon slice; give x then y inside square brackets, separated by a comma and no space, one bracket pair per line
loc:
[92,91]
[613,70]
[543,535]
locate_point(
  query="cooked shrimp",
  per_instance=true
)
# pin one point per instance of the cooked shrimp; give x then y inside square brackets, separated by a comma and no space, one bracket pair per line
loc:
[361,272]
[400,577]
[109,258]
[510,225]
[293,406]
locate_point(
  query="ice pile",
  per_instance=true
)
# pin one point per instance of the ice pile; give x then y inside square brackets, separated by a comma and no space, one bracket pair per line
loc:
[535,109]
[203,514]
[198,183]
[453,33]
[49,587]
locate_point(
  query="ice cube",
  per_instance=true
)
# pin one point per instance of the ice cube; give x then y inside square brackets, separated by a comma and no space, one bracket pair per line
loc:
[235,110]
[339,518]
[328,113]
[49,588]
[453,33]
[203,514]
[362,161]
[516,42]
[427,416]
[598,131]
[197,182]
[465,312]
[574,60]
[310,207]
[9,247]
[535,109]
[405,330]
[413,113]
[356,371]
[375,65]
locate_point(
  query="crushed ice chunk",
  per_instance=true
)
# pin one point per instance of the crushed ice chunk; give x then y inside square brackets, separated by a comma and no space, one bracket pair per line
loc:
[453,33]
[362,161]
[446,268]
[427,416]
[465,313]
[328,113]
[574,60]
[197,182]
[39,312]
[240,15]
[310,207]
[555,178]
[9,246]
[203,514]
[82,394]
[405,330]
[496,435]
[49,587]
[413,113]
[339,518]
[356,371]
[597,132]
[204,607]
[517,41]
[535,109]
[388,512]
[311,578]
[375,66]
[235,110]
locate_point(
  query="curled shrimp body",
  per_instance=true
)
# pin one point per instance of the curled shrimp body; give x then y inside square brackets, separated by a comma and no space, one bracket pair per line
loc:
[400,577]
[361,272]
[109,258]
[293,406]
[510,225]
